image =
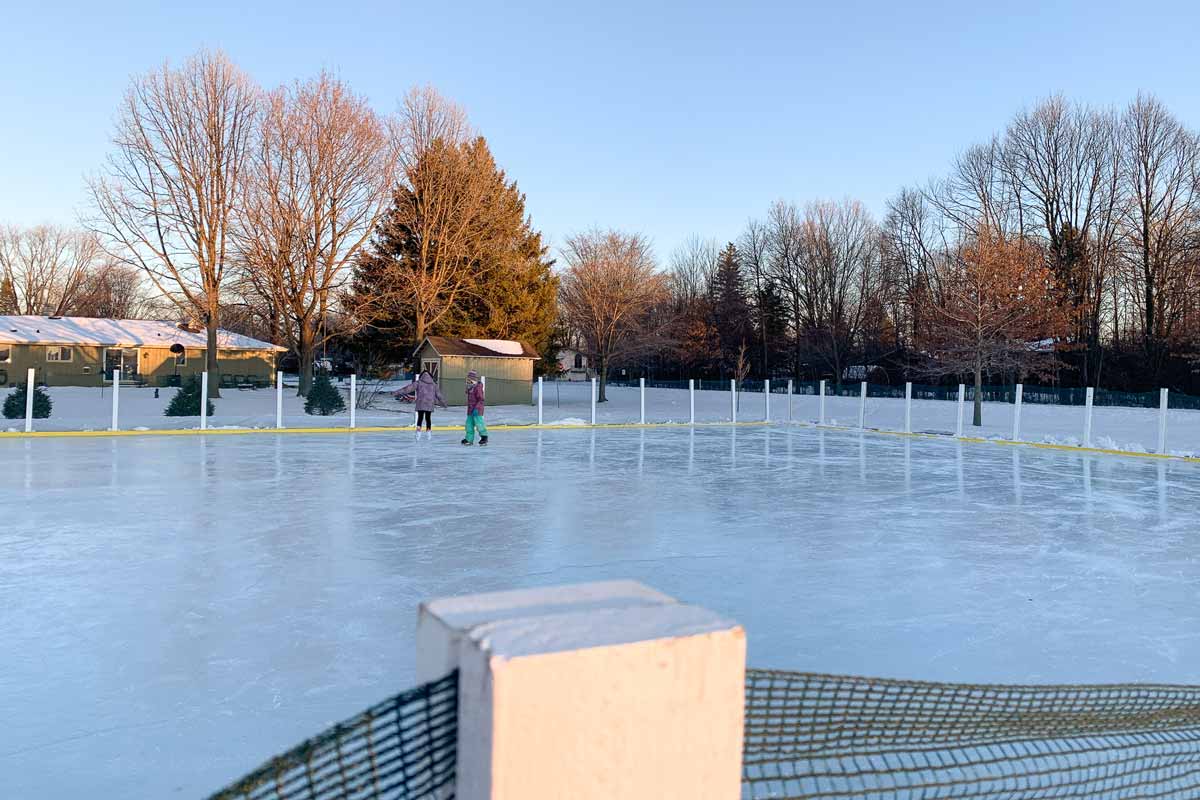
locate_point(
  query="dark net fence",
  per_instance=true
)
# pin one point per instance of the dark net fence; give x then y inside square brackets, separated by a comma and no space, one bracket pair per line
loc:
[823,736]
[401,749]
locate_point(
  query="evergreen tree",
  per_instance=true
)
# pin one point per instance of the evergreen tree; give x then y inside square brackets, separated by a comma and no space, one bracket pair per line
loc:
[324,398]
[14,403]
[501,286]
[730,308]
[773,327]
[186,402]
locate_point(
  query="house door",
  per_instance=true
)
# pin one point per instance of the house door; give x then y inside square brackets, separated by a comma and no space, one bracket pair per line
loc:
[124,359]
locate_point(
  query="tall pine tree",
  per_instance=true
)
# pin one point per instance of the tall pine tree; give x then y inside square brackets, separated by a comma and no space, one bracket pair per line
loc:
[730,309]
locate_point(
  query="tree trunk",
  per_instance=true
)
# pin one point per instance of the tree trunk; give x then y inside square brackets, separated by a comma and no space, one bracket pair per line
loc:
[600,397]
[977,420]
[304,351]
[210,357]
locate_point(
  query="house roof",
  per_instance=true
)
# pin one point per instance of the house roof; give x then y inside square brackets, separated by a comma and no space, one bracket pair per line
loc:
[117,333]
[479,348]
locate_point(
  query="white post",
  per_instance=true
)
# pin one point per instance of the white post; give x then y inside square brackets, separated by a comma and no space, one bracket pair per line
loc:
[962,399]
[1017,414]
[116,395]
[767,399]
[822,409]
[691,401]
[279,399]
[642,395]
[593,401]
[541,392]
[1162,420]
[908,406]
[733,400]
[862,406]
[1087,417]
[29,386]
[789,392]
[353,398]
[204,400]
[545,674]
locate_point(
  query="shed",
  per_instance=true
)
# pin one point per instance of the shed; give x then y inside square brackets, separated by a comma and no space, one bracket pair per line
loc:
[85,351]
[507,365]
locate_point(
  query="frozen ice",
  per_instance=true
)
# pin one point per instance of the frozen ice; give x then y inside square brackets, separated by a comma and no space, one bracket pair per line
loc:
[174,610]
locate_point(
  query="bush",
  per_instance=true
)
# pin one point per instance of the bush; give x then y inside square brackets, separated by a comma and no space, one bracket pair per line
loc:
[14,404]
[186,402]
[323,398]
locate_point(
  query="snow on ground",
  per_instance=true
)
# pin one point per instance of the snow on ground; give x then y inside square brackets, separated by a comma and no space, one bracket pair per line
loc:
[174,610]
[1128,429]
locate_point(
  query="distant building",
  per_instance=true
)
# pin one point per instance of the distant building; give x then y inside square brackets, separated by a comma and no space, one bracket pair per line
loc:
[507,365]
[574,365]
[85,351]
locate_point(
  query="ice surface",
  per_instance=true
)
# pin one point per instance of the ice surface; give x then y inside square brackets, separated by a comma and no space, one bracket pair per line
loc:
[174,610]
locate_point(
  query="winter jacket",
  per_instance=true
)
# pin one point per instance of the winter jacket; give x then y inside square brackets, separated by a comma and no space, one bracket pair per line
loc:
[427,392]
[475,399]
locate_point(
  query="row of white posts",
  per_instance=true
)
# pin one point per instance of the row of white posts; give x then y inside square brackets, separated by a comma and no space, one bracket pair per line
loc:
[116,401]
[862,407]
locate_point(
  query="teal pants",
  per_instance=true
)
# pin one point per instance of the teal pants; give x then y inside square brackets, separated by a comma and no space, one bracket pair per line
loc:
[475,423]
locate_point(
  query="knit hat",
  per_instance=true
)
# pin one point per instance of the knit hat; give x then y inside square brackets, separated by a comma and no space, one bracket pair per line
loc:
[473,376]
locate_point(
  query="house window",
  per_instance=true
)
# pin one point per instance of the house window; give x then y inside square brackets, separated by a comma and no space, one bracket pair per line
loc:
[5,354]
[431,367]
[579,361]
[59,354]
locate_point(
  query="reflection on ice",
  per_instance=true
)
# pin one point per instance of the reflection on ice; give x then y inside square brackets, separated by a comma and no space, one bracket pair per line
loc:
[201,601]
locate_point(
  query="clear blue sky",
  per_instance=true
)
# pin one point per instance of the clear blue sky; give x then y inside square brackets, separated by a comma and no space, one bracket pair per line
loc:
[666,118]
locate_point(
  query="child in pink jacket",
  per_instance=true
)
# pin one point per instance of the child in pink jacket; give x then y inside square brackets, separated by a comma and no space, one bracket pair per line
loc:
[475,411]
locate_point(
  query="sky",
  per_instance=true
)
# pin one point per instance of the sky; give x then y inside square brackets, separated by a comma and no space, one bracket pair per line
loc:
[670,119]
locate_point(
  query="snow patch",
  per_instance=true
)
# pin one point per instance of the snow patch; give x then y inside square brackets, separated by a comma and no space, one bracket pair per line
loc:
[504,346]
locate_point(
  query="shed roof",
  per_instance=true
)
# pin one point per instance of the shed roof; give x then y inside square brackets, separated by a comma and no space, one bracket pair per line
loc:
[117,333]
[480,348]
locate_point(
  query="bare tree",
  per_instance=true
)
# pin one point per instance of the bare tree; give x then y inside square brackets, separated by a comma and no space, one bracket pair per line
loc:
[997,312]
[116,291]
[755,249]
[692,267]
[44,268]
[320,177]
[607,292]
[166,200]
[1160,163]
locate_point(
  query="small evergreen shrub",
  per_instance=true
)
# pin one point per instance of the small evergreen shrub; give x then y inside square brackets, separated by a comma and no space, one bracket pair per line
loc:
[323,398]
[186,402]
[14,404]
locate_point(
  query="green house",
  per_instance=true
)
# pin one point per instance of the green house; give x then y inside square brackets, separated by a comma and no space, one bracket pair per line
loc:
[506,366]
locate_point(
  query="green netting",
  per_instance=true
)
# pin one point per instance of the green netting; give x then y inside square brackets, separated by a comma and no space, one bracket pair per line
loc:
[401,749]
[828,736]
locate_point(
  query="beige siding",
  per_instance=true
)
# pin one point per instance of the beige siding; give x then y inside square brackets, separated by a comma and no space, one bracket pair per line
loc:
[84,368]
[509,380]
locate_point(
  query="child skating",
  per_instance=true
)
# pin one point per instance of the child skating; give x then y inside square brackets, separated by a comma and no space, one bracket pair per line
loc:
[475,411]
[428,395]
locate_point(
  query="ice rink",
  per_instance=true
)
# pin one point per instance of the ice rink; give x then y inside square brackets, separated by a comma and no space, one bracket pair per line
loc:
[174,610]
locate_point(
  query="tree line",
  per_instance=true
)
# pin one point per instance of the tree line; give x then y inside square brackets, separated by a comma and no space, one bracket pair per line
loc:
[297,214]
[1064,249]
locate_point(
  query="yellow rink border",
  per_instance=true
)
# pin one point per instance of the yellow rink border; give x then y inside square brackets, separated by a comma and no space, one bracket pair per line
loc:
[1066,448]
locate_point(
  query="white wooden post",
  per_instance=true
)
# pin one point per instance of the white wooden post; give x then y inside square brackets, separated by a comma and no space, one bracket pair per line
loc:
[29,386]
[962,400]
[353,398]
[593,401]
[733,400]
[279,399]
[642,397]
[862,406]
[767,399]
[908,406]
[1162,420]
[590,692]
[1087,417]
[541,392]
[789,400]
[822,408]
[1017,414]
[204,400]
[116,395]
[691,401]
